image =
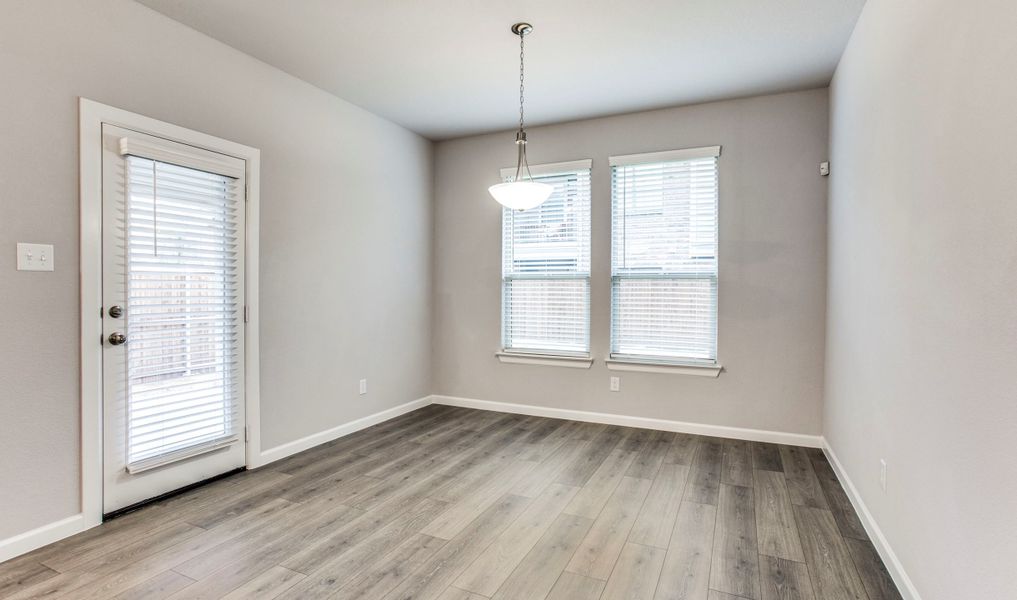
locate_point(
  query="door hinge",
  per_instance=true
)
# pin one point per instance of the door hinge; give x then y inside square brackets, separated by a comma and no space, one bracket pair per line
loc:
[247,438]
[247,314]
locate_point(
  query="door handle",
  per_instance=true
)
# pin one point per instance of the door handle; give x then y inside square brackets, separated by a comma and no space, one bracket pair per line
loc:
[117,338]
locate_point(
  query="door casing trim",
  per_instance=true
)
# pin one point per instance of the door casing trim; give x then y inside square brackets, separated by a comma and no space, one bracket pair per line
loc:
[92,116]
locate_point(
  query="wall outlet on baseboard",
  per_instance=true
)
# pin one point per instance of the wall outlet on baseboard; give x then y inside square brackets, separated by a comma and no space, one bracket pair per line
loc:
[882,473]
[616,384]
[363,387]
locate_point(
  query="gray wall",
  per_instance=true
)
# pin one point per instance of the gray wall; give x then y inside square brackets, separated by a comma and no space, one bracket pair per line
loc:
[922,327]
[772,265]
[338,185]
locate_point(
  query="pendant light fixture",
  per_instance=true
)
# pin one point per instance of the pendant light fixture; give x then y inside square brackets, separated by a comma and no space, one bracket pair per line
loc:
[520,193]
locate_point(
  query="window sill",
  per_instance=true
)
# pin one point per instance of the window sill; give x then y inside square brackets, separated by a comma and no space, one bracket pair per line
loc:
[702,370]
[549,360]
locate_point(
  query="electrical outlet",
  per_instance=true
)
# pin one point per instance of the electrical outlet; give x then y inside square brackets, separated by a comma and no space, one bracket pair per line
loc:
[363,387]
[616,384]
[882,473]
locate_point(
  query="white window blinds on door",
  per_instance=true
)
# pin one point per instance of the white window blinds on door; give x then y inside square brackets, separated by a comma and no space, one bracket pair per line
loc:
[183,282]
[546,266]
[664,256]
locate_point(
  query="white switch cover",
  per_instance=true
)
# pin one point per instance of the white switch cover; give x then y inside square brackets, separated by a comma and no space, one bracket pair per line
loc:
[35,257]
[616,384]
[363,387]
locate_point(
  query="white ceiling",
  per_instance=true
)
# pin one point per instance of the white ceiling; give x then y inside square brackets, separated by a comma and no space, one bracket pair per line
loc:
[447,68]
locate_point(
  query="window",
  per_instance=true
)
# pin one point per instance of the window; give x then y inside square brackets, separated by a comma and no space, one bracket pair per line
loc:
[546,266]
[181,283]
[664,256]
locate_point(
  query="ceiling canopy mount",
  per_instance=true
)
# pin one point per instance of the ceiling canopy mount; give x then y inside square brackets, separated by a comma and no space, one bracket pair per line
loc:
[522,29]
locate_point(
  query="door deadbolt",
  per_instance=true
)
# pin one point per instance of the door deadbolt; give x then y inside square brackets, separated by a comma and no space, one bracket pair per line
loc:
[117,338]
[116,311]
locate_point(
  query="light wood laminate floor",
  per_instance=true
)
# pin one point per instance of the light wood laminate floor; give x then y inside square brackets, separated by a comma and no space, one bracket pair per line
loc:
[456,504]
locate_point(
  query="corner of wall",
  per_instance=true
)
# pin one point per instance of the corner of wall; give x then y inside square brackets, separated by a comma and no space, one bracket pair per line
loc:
[879,541]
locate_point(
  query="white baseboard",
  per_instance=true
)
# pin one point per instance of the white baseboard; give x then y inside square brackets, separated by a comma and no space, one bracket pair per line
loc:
[40,536]
[893,566]
[289,448]
[738,433]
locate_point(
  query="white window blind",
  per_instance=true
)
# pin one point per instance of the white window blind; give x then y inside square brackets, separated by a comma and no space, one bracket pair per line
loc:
[546,267]
[664,256]
[182,313]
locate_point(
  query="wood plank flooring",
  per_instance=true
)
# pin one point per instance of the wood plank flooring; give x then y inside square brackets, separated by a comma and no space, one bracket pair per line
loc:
[455,504]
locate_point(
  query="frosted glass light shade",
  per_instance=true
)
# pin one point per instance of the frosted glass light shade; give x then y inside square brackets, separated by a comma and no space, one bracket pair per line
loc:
[521,195]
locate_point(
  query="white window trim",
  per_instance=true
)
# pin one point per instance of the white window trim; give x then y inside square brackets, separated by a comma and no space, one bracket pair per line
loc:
[665,156]
[92,116]
[675,368]
[548,360]
[649,365]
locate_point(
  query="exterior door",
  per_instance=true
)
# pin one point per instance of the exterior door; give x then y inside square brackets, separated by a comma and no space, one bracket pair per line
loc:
[173,228]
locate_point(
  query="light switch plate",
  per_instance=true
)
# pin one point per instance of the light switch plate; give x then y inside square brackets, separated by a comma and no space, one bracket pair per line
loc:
[35,257]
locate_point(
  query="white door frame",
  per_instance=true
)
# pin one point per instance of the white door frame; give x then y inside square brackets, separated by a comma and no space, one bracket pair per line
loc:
[92,116]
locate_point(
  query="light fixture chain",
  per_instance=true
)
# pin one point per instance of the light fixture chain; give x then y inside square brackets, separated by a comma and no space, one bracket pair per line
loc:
[521,74]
